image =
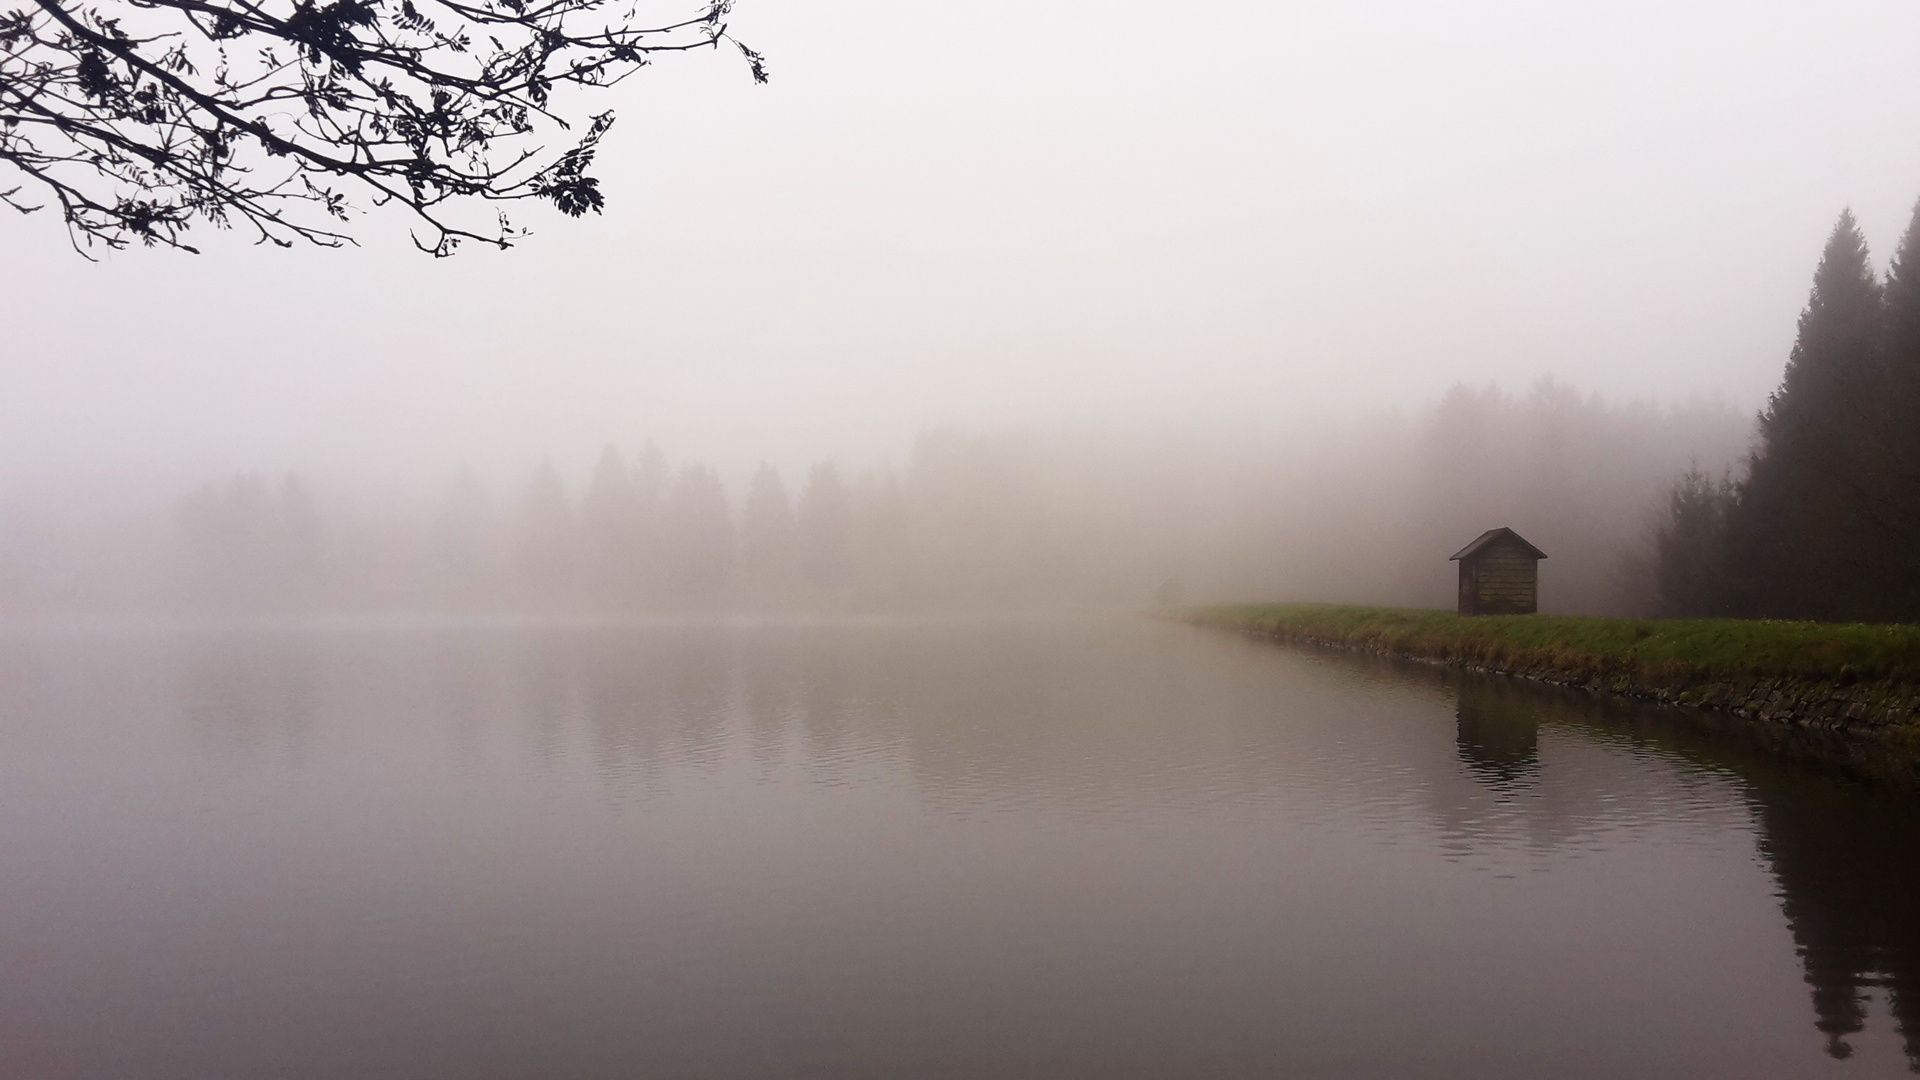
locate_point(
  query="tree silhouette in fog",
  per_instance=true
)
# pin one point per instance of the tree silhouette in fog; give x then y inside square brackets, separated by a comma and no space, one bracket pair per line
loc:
[1826,524]
[768,538]
[1691,568]
[649,479]
[699,539]
[1800,531]
[139,118]
[544,541]
[249,545]
[1568,470]
[883,552]
[461,556]
[610,526]
[824,518]
[969,521]
[1897,419]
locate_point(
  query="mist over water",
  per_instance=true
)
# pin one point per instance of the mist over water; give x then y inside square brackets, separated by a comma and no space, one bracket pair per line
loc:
[956,847]
[1017,219]
[706,639]
[1364,511]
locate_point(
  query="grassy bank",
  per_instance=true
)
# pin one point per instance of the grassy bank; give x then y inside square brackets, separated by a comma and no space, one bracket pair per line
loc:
[1663,649]
[1833,675]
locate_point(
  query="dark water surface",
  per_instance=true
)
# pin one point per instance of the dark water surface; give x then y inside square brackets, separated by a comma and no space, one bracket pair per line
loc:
[1114,849]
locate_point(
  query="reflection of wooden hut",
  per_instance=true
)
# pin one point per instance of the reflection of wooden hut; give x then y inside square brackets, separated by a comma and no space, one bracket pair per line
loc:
[1497,732]
[1499,575]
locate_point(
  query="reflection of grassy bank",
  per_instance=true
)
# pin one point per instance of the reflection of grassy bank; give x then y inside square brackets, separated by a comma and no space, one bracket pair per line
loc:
[1845,855]
[1851,677]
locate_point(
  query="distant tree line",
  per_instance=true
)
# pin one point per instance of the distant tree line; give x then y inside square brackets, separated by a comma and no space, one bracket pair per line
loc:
[248,543]
[1825,523]
[1364,513]
[1361,511]
[969,530]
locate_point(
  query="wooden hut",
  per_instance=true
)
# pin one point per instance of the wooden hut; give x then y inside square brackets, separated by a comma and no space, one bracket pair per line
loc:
[1499,575]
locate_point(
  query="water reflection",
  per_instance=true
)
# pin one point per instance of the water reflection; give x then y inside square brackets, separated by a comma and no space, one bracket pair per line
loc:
[1844,850]
[1013,849]
[1499,736]
[256,690]
[1848,864]
[977,716]
[767,694]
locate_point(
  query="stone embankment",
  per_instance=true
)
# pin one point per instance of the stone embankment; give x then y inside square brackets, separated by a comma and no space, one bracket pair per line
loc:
[1609,656]
[1804,702]
[1812,703]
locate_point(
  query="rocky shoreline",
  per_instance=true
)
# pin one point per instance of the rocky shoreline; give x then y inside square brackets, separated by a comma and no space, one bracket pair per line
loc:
[1842,706]
[1829,706]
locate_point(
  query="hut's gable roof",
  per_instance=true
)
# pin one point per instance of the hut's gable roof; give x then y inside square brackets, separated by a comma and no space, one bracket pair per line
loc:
[1494,536]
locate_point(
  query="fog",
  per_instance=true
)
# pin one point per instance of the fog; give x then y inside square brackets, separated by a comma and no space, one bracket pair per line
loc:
[1364,510]
[1099,304]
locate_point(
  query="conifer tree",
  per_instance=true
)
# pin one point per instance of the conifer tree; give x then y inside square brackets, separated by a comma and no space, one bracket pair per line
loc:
[297,558]
[767,540]
[1690,547]
[1798,531]
[1899,411]
[460,543]
[699,539]
[825,521]
[609,528]
[649,479]
[544,537]
[884,526]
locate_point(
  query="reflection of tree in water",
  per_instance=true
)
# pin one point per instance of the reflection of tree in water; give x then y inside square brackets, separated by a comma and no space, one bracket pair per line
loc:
[621,690]
[1498,735]
[1848,864]
[700,667]
[1015,712]
[541,691]
[826,675]
[1846,855]
[251,688]
[649,696]
[768,677]
[967,713]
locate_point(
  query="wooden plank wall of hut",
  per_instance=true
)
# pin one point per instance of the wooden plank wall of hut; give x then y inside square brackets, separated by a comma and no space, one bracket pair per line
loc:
[1507,581]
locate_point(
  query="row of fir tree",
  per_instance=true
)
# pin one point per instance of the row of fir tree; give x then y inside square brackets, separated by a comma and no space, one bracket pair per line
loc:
[1826,522]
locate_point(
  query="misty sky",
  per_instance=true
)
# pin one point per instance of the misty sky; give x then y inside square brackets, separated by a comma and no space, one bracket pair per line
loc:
[992,213]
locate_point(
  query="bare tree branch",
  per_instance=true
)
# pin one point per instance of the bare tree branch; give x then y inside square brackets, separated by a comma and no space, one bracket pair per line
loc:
[142,118]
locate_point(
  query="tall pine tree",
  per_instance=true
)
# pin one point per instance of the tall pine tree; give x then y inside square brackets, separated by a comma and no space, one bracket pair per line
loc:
[610,532]
[700,546]
[1899,427]
[824,521]
[768,541]
[544,540]
[1799,534]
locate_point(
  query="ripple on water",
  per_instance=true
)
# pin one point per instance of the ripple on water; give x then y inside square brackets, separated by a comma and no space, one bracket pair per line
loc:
[1042,850]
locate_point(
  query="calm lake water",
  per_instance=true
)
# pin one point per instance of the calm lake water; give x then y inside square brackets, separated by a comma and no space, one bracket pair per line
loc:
[1069,849]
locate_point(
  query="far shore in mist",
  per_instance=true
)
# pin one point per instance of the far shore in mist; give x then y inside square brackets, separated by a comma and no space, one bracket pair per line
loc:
[1361,511]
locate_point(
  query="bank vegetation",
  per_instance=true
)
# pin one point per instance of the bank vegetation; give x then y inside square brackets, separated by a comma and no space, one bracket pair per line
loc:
[1848,677]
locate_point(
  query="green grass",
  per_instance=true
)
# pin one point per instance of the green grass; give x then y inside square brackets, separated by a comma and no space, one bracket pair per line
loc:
[1642,651]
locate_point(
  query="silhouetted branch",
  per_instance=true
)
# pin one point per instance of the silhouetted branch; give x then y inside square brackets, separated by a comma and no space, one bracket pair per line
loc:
[140,118]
